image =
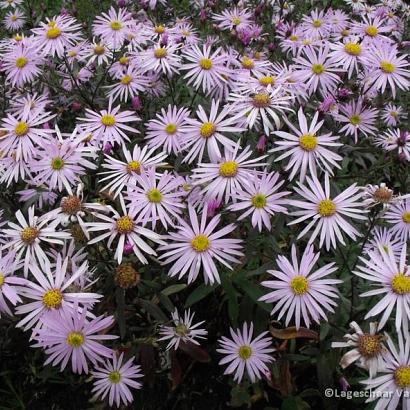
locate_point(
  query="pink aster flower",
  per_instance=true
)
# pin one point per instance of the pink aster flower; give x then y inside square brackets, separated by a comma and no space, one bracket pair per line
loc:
[317,70]
[25,133]
[227,176]
[386,68]
[386,239]
[50,292]
[14,20]
[399,217]
[95,53]
[12,169]
[197,245]
[167,130]
[113,27]
[392,115]
[57,34]
[70,335]
[161,59]
[234,18]
[316,25]
[261,199]
[208,133]
[357,118]
[391,274]
[127,227]
[204,68]
[182,330]
[395,140]
[28,237]
[298,291]
[156,197]
[5,4]
[114,379]
[243,352]
[371,29]
[306,149]
[109,125]
[130,84]
[120,172]
[10,285]
[327,214]
[30,102]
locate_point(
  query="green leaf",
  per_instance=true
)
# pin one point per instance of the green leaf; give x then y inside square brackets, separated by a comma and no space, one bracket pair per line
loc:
[170,290]
[198,294]
[153,310]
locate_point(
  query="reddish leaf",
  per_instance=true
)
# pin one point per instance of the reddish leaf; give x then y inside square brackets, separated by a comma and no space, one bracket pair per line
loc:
[176,371]
[196,352]
[293,333]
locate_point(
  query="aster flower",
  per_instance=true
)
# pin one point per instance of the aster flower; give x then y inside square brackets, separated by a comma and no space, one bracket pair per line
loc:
[399,216]
[197,245]
[28,237]
[204,68]
[208,133]
[298,291]
[251,66]
[394,139]
[127,228]
[113,380]
[121,173]
[264,105]
[392,115]
[12,169]
[305,148]
[316,25]
[5,4]
[155,198]
[234,18]
[182,330]
[161,58]
[10,285]
[113,27]
[384,238]
[378,195]
[130,83]
[96,52]
[243,352]
[366,348]
[14,20]
[261,199]
[70,335]
[357,118]
[23,133]
[167,130]
[386,68]
[393,384]
[371,29]
[317,70]
[53,36]
[50,293]
[327,214]
[383,269]
[227,176]
[109,125]
[31,102]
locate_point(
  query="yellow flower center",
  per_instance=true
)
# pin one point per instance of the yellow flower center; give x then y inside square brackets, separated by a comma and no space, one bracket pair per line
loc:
[75,339]
[160,52]
[293,37]
[207,129]
[99,49]
[316,23]
[21,62]
[236,21]
[228,169]
[406,217]
[371,31]
[2,279]
[400,284]
[116,25]
[13,17]
[245,352]
[108,120]
[72,53]
[159,29]
[181,330]
[124,225]
[369,345]
[53,33]
[123,60]
[308,142]
[387,67]
[21,128]
[200,243]
[318,69]
[133,166]
[114,377]
[299,285]
[266,80]
[326,207]
[28,235]
[306,42]
[259,201]
[126,276]
[402,376]
[126,79]
[205,63]
[171,128]
[353,49]
[247,63]
[17,37]
[345,32]
[261,100]
[52,299]
[154,195]
[57,163]
[355,119]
